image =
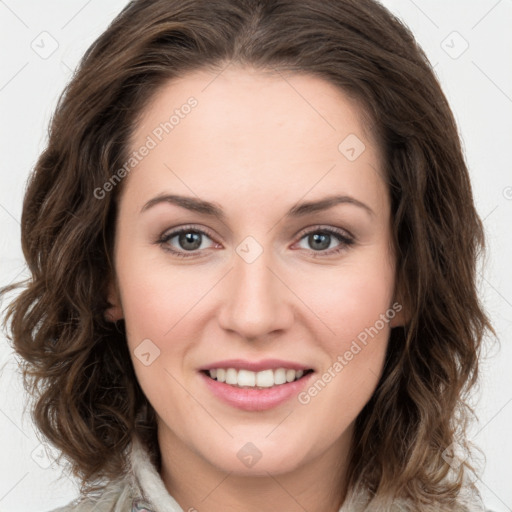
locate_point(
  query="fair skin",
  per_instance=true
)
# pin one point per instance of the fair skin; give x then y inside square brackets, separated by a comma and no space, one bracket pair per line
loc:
[255,147]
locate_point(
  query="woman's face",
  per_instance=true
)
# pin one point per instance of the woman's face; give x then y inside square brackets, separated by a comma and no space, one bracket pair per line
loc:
[265,269]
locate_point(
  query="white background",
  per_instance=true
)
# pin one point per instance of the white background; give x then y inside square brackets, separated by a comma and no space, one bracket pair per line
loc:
[478,83]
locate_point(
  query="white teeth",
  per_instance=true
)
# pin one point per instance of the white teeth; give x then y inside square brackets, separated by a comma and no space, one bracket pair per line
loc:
[265,379]
[247,378]
[280,376]
[231,376]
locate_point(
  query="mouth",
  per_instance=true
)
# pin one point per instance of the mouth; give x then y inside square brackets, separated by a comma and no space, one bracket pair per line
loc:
[256,391]
[265,379]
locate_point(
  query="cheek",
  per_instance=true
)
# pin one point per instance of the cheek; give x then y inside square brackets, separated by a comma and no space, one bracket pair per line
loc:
[350,299]
[156,298]
[157,302]
[357,309]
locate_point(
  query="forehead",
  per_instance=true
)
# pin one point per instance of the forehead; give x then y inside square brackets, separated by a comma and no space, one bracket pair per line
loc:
[255,131]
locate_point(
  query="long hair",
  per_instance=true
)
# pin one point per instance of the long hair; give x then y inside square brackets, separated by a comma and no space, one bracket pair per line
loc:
[77,367]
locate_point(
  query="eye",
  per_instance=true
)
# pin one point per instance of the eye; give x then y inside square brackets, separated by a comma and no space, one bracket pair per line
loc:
[188,239]
[320,239]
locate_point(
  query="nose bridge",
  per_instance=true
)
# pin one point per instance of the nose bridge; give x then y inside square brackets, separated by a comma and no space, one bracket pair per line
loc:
[256,299]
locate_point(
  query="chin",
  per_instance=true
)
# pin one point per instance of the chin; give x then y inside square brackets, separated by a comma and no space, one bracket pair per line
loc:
[257,459]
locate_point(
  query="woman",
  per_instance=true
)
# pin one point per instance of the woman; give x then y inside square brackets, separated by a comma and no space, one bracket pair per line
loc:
[187,344]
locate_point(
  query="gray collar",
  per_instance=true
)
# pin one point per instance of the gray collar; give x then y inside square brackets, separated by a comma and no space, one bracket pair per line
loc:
[150,495]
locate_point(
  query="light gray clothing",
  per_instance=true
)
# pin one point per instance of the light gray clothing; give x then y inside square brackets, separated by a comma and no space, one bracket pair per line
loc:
[142,490]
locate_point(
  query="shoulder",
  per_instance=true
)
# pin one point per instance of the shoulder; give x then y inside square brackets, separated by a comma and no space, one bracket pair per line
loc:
[116,497]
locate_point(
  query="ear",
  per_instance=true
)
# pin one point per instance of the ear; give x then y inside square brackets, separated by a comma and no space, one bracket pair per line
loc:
[114,312]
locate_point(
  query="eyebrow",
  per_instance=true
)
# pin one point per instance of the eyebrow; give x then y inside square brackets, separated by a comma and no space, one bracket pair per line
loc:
[213,210]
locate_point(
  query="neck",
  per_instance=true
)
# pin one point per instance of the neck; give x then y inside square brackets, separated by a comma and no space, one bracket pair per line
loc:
[318,485]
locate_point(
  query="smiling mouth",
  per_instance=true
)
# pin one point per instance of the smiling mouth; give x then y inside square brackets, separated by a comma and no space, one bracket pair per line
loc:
[265,379]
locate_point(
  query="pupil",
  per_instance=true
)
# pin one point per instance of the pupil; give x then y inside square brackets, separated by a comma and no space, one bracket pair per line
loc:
[323,238]
[190,238]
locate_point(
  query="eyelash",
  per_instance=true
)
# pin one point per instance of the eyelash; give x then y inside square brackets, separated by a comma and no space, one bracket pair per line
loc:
[344,239]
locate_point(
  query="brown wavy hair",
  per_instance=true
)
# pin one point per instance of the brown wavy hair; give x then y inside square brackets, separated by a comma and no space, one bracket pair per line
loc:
[76,365]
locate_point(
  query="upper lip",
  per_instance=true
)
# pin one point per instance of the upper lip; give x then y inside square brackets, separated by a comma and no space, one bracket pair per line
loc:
[255,366]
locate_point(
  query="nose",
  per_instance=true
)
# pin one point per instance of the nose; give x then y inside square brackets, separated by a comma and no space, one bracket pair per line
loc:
[257,299]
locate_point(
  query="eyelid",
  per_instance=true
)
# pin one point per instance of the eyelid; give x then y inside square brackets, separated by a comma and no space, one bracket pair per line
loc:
[325,227]
[187,227]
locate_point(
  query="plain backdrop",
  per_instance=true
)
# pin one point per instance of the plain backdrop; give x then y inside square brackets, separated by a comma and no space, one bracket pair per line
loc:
[468,42]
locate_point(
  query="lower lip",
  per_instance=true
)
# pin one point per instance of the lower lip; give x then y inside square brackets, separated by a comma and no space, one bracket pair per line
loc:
[256,399]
